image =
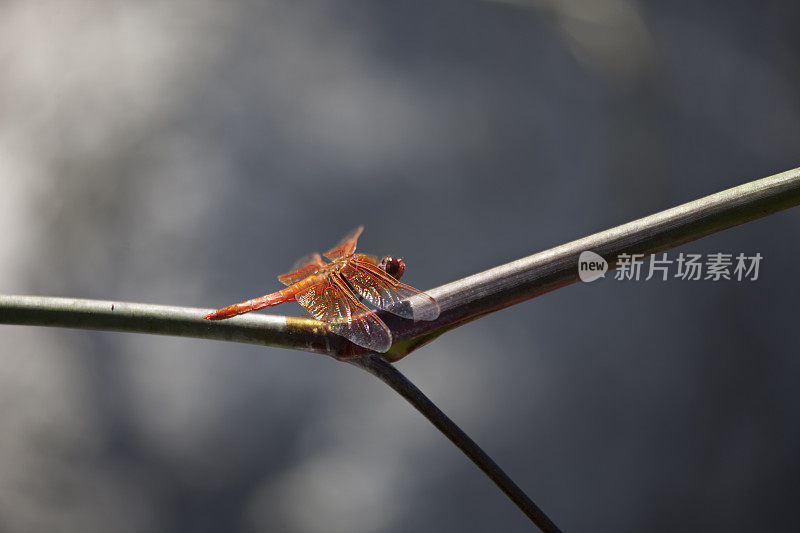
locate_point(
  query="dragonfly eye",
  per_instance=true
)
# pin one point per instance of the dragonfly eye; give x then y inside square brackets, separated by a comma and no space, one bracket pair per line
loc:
[394,266]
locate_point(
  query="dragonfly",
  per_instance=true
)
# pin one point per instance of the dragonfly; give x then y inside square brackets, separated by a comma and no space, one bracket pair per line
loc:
[334,293]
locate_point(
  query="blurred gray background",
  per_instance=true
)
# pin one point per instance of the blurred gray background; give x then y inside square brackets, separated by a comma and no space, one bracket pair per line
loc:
[186,153]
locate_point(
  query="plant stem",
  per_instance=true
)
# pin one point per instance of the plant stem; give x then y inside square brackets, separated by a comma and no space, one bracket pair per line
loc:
[386,372]
[474,296]
[460,301]
[254,328]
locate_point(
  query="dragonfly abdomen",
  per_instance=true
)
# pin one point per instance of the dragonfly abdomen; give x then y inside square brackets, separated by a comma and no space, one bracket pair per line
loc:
[276,298]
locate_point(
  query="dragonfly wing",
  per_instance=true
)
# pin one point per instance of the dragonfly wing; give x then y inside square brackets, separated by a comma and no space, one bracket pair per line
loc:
[331,301]
[385,292]
[346,247]
[304,267]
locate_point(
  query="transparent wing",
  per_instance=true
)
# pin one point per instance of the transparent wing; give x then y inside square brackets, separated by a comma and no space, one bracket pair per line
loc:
[346,247]
[304,267]
[331,301]
[385,292]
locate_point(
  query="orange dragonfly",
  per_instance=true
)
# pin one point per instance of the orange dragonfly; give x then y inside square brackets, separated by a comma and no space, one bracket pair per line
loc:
[333,292]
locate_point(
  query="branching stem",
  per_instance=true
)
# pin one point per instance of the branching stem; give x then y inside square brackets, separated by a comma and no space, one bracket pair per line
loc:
[460,302]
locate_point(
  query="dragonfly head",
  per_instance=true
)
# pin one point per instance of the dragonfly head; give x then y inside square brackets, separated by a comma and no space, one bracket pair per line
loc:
[394,266]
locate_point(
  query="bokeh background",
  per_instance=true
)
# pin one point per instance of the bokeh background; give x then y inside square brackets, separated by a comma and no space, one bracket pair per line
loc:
[185,153]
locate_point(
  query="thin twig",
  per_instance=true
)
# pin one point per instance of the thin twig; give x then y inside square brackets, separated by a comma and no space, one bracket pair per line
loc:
[254,328]
[386,372]
[477,295]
